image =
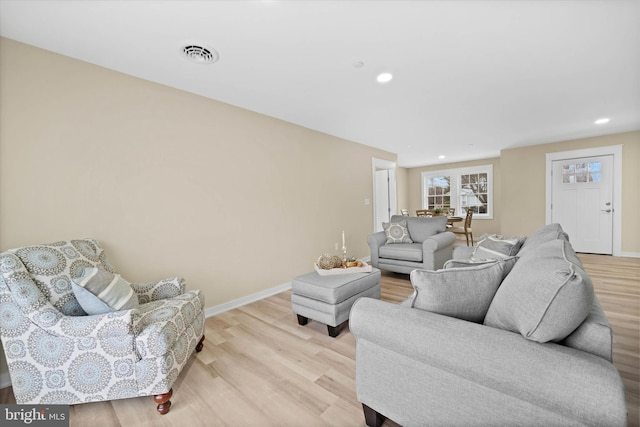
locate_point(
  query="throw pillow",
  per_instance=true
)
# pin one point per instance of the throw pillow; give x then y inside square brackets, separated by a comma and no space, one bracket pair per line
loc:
[99,291]
[464,293]
[397,232]
[495,246]
[546,296]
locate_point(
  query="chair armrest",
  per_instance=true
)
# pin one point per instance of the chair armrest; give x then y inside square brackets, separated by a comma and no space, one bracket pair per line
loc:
[376,240]
[162,289]
[99,326]
[493,358]
[438,241]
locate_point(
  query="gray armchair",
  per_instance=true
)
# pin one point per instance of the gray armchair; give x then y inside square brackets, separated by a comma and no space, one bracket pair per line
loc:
[59,354]
[431,245]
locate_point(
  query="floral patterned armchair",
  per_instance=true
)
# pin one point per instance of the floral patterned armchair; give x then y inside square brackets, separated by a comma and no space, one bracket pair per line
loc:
[57,354]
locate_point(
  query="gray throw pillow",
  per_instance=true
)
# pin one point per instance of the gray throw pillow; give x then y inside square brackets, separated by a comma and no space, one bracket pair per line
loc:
[545,297]
[464,293]
[496,246]
[99,291]
[396,232]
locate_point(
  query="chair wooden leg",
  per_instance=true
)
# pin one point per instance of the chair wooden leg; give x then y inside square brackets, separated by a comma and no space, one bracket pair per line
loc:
[163,401]
[200,345]
[372,417]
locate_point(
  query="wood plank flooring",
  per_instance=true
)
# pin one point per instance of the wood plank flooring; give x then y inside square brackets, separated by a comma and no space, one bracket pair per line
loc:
[259,368]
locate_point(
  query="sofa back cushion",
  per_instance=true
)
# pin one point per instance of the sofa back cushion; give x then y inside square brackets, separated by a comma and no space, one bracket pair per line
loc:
[461,292]
[545,297]
[496,246]
[541,236]
[421,228]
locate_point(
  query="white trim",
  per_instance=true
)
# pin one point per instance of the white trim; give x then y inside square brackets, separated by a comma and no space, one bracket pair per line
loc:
[608,150]
[629,254]
[377,164]
[221,308]
[5,380]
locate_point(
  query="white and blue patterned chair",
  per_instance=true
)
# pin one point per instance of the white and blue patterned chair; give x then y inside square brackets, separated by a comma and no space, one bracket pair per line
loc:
[57,354]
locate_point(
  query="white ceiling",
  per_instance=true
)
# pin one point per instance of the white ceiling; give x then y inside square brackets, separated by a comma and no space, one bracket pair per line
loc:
[470,77]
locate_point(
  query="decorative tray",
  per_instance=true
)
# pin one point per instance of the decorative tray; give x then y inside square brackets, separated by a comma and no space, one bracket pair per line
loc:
[366,268]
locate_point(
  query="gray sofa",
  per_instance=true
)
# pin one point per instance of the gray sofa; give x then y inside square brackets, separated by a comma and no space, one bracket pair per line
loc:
[431,245]
[540,356]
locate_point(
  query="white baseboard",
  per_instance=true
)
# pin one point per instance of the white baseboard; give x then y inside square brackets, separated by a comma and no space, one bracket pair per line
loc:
[217,309]
[629,254]
[5,380]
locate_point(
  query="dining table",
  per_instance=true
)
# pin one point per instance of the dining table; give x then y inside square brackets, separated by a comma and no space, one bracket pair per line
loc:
[452,219]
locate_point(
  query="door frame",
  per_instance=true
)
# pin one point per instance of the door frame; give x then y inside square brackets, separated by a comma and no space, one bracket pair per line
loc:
[616,152]
[377,164]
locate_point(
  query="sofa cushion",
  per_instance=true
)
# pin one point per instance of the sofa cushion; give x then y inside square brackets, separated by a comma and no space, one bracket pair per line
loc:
[471,262]
[541,236]
[496,246]
[99,291]
[545,297]
[402,251]
[396,232]
[464,293]
[421,228]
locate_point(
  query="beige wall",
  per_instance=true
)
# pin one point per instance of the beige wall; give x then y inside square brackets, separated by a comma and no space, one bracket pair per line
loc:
[171,183]
[480,226]
[403,188]
[523,184]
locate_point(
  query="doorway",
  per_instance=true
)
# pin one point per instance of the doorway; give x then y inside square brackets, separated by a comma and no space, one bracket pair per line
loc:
[583,197]
[384,192]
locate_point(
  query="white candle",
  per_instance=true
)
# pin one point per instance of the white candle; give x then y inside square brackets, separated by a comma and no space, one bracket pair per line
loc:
[343,245]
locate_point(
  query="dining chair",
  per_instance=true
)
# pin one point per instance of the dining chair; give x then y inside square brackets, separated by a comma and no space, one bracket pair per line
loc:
[422,212]
[404,212]
[466,229]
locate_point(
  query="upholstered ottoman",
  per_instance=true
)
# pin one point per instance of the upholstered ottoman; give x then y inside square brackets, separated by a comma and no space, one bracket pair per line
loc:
[328,299]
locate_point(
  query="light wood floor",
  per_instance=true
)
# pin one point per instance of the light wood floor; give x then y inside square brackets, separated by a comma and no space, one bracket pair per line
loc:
[259,368]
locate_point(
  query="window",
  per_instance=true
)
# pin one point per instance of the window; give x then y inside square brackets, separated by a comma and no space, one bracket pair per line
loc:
[461,189]
[581,172]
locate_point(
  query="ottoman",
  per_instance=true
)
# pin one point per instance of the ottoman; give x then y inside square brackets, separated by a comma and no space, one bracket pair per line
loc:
[328,299]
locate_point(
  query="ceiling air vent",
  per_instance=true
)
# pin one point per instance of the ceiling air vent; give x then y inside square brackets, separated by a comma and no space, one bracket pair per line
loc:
[200,54]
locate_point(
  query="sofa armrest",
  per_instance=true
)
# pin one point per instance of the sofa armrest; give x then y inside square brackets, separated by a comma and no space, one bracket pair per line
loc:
[162,289]
[550,376]
[376,240]
[463,252]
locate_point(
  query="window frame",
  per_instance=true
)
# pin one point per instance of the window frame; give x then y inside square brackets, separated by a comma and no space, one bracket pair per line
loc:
[454,175]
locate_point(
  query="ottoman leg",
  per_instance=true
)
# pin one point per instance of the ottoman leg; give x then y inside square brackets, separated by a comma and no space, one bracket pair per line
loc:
[302,320]
[334,331]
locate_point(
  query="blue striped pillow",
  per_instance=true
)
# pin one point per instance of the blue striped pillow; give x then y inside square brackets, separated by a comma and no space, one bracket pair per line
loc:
[99,291]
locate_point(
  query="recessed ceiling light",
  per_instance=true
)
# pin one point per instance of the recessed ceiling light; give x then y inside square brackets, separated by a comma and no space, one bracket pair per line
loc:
[441,156]
[384,77]
[602,121]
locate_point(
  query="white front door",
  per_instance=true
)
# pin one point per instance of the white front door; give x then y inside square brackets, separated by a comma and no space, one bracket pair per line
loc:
[382,199]
[582,202]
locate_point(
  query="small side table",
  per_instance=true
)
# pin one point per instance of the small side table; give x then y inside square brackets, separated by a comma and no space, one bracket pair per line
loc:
[328,299]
